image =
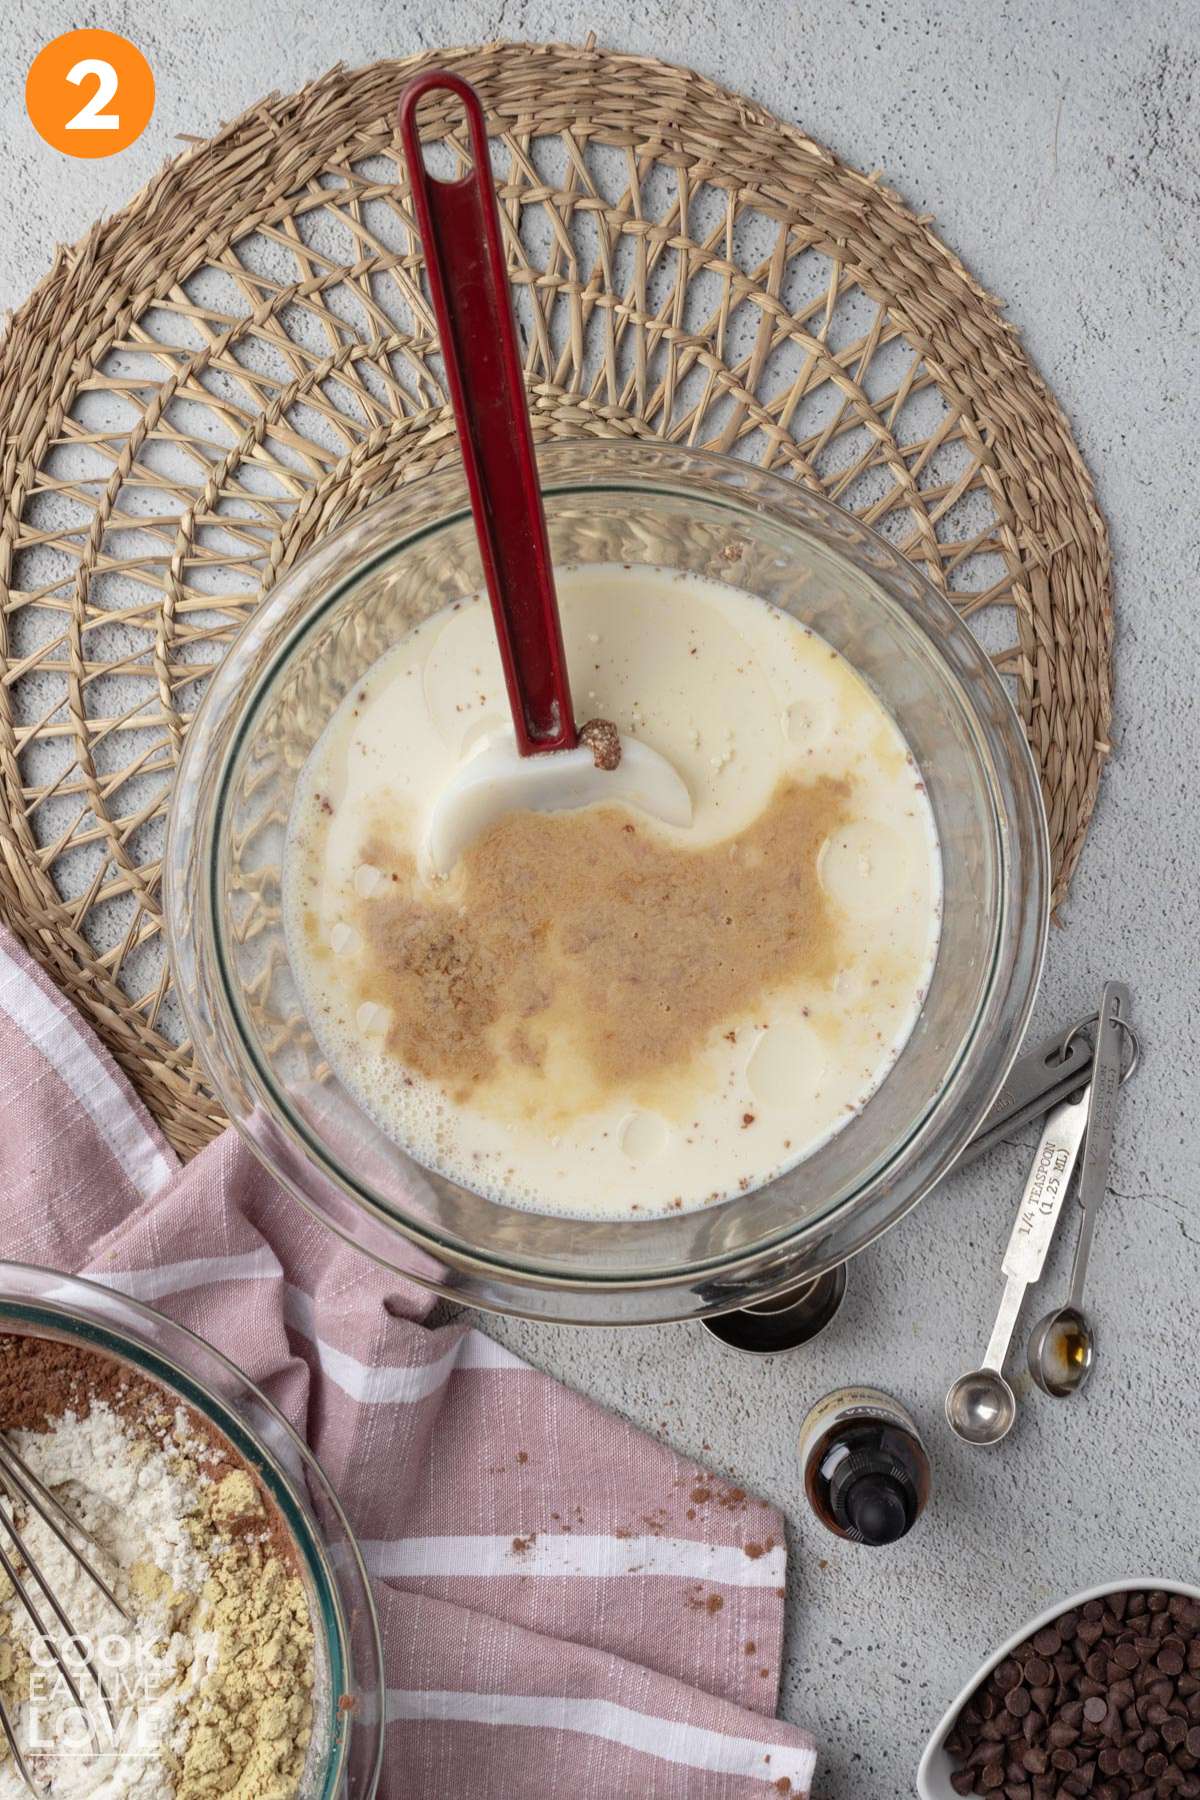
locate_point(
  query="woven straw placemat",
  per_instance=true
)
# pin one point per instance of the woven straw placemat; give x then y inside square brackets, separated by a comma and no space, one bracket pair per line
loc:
[244,356]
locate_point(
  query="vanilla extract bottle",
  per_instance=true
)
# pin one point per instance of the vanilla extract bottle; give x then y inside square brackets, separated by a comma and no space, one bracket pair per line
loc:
[866,1469]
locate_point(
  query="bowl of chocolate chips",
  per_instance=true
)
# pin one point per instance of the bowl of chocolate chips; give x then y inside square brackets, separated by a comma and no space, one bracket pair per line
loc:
[1099,1697]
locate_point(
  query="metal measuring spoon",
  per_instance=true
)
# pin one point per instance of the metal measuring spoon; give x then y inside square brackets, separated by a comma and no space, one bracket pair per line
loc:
[981,1407]
[1062,1349]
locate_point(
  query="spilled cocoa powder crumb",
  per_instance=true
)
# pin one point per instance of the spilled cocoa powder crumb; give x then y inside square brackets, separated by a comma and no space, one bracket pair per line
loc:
[698,1601]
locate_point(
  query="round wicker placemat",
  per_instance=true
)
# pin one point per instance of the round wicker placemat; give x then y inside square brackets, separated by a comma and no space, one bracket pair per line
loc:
[243,357]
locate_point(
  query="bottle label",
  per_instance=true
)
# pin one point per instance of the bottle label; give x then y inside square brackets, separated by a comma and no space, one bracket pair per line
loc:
[845,1404]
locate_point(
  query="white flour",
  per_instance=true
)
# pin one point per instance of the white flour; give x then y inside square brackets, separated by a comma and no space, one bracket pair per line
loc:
[125,1492]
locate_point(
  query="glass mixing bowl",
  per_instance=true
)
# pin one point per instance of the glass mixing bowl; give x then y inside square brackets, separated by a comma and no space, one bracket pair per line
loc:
[331,616]
[348,1714]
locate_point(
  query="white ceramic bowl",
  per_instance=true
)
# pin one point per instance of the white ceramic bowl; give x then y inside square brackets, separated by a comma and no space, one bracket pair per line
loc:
[935,1766]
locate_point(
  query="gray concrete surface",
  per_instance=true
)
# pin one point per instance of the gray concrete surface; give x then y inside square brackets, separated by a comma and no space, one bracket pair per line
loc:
[1059,148]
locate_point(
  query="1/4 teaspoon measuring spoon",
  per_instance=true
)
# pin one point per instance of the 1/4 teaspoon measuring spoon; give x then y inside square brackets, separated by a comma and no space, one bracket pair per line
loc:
[981,1406]
[1062,1349]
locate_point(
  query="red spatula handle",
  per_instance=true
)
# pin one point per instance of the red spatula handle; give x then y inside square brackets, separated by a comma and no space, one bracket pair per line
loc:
[468,283]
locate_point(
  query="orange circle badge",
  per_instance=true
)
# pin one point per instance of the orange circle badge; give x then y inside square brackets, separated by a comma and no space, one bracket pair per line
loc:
[90,93]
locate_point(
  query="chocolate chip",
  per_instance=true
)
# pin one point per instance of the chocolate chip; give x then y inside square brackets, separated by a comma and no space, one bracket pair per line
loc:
[1103,1704]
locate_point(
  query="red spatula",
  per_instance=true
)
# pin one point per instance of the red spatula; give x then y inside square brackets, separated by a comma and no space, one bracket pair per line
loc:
[468,283]
[464,256]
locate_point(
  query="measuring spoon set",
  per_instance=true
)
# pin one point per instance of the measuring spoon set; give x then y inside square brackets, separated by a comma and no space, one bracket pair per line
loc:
[1073,1079]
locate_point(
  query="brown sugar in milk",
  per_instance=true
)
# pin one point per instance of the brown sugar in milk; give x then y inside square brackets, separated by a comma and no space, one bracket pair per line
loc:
[596,1013]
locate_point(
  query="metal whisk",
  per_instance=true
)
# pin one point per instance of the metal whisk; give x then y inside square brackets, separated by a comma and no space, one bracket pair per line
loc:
[21,1488]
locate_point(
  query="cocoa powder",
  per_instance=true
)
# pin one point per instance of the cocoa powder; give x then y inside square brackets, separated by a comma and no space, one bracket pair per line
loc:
[42,1377]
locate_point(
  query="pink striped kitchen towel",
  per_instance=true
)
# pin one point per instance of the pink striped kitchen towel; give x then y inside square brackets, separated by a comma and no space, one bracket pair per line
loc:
[568,1608]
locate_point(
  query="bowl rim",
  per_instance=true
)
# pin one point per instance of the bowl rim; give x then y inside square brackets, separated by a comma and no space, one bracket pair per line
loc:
[929,1785]
[113,1300]
[1016,955]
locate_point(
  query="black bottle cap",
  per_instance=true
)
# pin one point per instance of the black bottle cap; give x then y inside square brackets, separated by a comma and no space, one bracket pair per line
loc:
[873,1498]
[877,1510]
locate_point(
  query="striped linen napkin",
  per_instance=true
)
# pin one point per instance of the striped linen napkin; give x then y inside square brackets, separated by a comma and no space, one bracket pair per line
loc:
[567,1606]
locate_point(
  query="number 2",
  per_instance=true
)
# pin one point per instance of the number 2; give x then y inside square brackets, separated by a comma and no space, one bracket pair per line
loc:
[92,117]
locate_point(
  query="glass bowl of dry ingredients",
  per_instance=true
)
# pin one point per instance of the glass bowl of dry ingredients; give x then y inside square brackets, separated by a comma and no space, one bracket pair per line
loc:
[246,1660]
[609,1069]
